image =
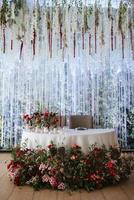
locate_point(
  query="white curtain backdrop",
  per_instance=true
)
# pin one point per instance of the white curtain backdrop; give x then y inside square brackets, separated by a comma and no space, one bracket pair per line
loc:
[75,71]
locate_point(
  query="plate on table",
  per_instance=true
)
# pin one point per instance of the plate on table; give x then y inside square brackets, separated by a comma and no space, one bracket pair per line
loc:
[80,128]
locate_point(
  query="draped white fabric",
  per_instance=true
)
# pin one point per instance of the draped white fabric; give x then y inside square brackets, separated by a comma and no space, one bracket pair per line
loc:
[68,137]
[76,71]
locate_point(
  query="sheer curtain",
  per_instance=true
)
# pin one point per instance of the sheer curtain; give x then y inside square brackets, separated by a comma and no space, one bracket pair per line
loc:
[67,66]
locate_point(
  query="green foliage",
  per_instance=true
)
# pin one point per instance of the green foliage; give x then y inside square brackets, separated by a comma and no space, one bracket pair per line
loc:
[109,9]
[3,12]
[18,5]
[97,13]
[130,122]
[70,168]
[122,13]
[6,11]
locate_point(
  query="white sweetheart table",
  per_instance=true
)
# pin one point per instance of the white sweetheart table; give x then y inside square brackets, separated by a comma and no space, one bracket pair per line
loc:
[68,137]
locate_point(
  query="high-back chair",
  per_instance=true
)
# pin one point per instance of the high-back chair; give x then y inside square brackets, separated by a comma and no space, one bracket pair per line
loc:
[61,121]
[85,121]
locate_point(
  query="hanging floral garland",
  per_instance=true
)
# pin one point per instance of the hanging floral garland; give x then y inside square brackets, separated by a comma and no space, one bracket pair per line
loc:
[96,13]
[3,21]
[122,15]
[131,27]
[10,12]
[102,33]
[35,16]
[110,17]
[89,12]
[60,17]
[49,29]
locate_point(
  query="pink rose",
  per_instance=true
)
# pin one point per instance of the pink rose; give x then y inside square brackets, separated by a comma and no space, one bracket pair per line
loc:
[53,182]
[74,146]
[45,178]
[73,157]
[61,186]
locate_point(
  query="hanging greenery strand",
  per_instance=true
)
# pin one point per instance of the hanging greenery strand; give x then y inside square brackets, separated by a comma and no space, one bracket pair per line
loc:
[3,13]
[109,9]
[96,24]
[16,6]
[3,20]
[83,38]
[34,41]
[11,44]
[85,19]
[112,36]
[74,40]
[121,21]
[89,43]
[122,15]
[4,41]
[60,16]
[21,48]
[123,40]
[51,42]
[115,41]
[102,31]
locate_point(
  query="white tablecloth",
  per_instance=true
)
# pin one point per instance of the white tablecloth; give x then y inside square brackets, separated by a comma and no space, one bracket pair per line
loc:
[67,137]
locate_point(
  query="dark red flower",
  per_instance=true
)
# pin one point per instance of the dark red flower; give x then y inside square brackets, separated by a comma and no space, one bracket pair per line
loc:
[17,180]
[97,149]
[46,114]
[75,146]
[112,173]
[25,116]
[110,164]
[19,153]
[50,146]
[11,163]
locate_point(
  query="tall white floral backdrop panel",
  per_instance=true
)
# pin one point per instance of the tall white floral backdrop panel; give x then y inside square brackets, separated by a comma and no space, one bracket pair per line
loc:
[75,56]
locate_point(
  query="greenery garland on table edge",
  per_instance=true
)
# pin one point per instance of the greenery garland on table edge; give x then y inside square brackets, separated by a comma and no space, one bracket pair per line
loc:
[63,168]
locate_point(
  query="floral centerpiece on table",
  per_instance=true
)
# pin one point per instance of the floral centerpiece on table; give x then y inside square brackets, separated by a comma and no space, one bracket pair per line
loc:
[41,120]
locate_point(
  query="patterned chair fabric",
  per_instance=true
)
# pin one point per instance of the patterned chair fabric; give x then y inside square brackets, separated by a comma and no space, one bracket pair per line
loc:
[85,121]
[61,121]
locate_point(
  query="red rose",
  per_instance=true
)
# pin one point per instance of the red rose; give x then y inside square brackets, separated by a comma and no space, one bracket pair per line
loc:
[110,164]
[97,149]
[74,146]
[17,180]
[46,114]
[28,118]
[19,153]
[112,173]
[11,163]
[50,146]
[25,116]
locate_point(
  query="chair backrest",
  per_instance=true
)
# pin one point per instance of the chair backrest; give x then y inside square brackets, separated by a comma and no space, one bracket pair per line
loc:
[85,121]
[61,121]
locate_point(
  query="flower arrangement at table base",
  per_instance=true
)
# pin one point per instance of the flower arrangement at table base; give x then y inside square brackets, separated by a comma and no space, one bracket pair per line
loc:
[68,168]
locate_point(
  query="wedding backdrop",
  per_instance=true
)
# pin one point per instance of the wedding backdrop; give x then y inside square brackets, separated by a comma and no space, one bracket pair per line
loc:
[73,56]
